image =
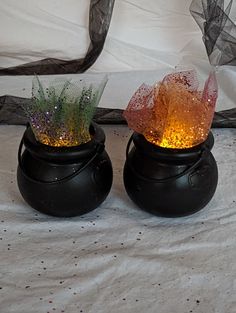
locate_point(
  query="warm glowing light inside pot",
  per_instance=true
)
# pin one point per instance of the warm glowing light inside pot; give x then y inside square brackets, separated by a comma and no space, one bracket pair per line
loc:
[178,136]
[174,113]
[182,119]
[68,139]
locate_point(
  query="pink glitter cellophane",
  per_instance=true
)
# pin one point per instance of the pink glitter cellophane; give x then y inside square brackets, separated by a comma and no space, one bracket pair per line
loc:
[174,113]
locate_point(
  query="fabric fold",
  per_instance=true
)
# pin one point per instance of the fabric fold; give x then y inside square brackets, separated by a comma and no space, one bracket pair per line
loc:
[100,13]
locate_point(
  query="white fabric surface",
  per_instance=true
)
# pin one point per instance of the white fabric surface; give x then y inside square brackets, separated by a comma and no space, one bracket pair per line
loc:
[118,258]
[121,86]
[31,30]
[143,35]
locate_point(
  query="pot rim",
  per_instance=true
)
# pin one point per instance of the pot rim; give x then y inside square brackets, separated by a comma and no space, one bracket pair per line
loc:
[155,151]
[65,153]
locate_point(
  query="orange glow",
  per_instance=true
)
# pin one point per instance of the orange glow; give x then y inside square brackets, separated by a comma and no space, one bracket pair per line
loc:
[68,140]
[174,114]
[181,120]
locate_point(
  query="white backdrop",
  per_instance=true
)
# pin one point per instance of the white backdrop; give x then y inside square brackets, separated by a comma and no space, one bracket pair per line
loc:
[144,34]
[149,37]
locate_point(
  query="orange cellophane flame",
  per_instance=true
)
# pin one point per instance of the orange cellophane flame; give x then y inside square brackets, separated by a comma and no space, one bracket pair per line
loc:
[173,113]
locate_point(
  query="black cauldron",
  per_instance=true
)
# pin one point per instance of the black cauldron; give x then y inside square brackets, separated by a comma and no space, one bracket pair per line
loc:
[170,182]
[64,181]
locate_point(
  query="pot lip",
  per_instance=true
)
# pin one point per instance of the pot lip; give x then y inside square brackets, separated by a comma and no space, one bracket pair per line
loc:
[65,153]
[155,151]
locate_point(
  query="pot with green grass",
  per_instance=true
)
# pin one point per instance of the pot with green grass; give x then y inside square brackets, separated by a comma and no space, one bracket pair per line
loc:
[64,169]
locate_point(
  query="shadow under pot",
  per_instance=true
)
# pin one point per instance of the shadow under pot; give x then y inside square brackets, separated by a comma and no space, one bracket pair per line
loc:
[170,182]
[64,181]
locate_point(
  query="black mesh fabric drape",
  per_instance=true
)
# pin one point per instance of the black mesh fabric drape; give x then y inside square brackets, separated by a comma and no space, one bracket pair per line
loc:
[11,112]
[100,13]
[218,29]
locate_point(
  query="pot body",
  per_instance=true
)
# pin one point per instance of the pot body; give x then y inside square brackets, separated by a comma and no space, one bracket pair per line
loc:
[64,182]
[170,182]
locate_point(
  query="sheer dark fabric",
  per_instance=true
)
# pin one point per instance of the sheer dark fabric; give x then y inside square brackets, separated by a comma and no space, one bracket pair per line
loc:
[100,13]
[219,31]
[11,113]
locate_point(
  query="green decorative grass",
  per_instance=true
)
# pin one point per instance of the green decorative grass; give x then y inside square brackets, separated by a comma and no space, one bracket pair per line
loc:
[60,114]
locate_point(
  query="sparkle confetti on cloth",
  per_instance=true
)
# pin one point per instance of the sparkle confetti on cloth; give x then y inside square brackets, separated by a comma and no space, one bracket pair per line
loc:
[174,113]
[60,114]
[218,29]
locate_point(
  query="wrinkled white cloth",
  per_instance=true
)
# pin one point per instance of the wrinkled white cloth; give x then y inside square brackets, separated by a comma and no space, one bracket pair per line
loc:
[118,258]
[146,41]
[122,85]
[143,34]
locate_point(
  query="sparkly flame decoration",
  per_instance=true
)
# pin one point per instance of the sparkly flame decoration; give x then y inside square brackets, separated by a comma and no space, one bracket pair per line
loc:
[60,114]
[174,113]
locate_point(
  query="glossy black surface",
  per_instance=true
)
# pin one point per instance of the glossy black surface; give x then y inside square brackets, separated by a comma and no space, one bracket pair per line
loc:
[64,181]
[170,182]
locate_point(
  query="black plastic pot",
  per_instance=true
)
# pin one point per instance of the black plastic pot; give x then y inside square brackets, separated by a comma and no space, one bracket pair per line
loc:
[170,182]
[64,181]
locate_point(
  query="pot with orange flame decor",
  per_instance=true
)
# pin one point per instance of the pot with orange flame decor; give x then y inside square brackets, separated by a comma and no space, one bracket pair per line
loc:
[171,171]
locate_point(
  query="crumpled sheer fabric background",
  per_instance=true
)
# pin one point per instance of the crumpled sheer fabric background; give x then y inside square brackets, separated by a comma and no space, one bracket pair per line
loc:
[118,258]
[121,85]
[145,41]
[142,35]
[100,13]
[218,29]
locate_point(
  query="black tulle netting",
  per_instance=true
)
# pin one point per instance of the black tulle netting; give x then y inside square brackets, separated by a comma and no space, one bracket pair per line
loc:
[218,29]
[11,113]
[100,13]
